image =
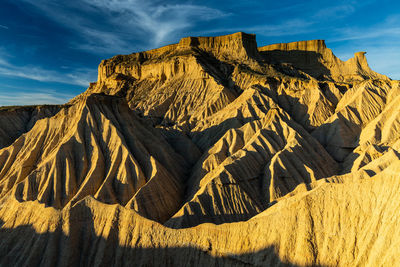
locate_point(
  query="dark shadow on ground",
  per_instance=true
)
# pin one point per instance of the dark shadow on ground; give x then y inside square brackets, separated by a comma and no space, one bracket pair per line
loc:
[23,246]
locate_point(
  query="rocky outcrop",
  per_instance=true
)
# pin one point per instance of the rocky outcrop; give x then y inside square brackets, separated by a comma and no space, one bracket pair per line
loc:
[15,121]
[340,133]
[96,147]
[316,59]
[244,45]
[141,65]
[208,152]
[331,225]
[251,167]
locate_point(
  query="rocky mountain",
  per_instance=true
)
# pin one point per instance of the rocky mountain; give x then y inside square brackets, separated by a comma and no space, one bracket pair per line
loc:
[212,151]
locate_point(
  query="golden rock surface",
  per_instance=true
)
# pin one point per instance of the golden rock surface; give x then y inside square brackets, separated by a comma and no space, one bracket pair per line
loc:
[209,152]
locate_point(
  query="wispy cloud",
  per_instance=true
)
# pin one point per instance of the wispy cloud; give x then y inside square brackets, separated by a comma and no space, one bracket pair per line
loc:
[287,28]
[160,20]
[389,28]
[81,77]
[33,98]
[290,27]
[3,27]
[336,12]
[125,22]
[354,33]
[308,21]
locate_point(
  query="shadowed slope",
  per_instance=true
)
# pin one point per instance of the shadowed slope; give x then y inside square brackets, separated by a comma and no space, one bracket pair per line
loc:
[249,168]
[330,225]
[14,121]
[238,152]
[360,105]
[314,58]
[97,147]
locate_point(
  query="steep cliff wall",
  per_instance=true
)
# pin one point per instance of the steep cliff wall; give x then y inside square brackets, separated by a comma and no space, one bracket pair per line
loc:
[319,61]
[244,45]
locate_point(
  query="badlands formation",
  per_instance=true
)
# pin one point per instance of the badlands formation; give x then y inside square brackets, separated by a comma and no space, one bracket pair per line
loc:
[209,152]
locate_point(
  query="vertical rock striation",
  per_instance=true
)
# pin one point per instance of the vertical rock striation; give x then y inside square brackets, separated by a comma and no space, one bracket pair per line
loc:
[212,152]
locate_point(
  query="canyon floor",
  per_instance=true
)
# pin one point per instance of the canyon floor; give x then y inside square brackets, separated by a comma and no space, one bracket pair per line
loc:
[209,152]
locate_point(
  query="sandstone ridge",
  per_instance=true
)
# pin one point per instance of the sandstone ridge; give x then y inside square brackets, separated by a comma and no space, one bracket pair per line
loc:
[212,152]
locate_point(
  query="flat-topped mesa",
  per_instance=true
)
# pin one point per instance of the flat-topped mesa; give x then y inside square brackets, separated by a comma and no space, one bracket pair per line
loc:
[311,57]
[238,47]
[239,44]
[235,43]
[314,58]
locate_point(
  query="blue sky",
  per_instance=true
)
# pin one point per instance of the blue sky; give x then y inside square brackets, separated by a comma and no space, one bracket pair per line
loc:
[49,50]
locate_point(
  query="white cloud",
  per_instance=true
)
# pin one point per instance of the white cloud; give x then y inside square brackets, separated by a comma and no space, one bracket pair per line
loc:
[335,12]
[287,28]
[353,33]
[290,27]
[389,29]
[124,22]
[307,21]
[81,77]
[158,20]
[33,98]
[3,27]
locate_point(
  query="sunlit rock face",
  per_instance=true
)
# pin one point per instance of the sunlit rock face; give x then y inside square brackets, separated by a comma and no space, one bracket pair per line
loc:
[211,151]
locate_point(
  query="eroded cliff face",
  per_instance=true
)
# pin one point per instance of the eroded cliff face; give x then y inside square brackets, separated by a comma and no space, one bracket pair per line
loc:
[208,152]
[316,59]
[144,64]
[15,121]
